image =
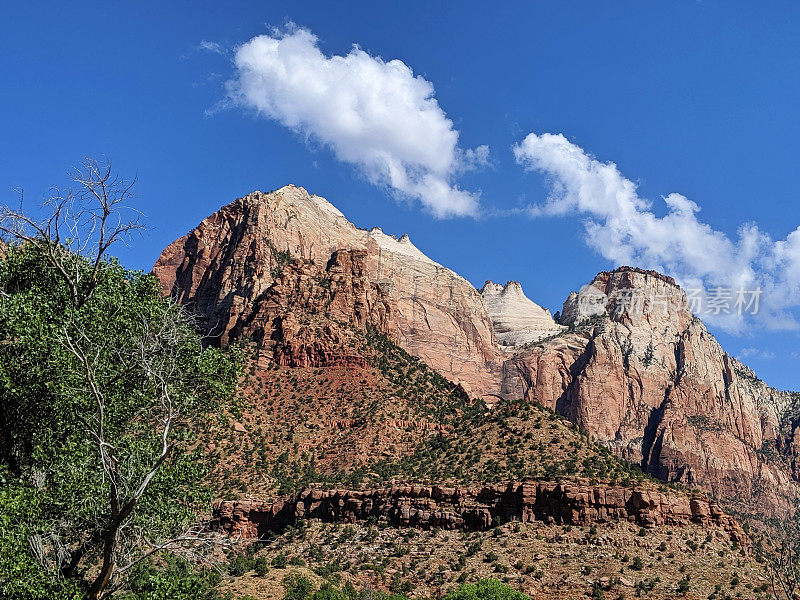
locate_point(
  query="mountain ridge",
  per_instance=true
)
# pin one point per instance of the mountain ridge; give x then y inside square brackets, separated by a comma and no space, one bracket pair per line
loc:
[646,377]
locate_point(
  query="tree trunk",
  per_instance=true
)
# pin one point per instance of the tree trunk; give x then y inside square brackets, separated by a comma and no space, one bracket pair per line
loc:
[110,552]
[107,569]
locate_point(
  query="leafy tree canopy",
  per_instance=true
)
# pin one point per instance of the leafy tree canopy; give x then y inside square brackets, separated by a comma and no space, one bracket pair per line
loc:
[485,589]
[101,399]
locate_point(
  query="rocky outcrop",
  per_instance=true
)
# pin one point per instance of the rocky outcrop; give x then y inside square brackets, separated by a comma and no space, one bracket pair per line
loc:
[639,372]
[475,507]
[516,319]
[226,268]
[299,317]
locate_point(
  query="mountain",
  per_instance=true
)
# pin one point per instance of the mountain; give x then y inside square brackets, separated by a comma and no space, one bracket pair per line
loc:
[517,320]
[225,267]
[625,360]
[636,369]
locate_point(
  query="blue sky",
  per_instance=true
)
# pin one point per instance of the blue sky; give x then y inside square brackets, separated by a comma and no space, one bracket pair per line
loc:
[690,98]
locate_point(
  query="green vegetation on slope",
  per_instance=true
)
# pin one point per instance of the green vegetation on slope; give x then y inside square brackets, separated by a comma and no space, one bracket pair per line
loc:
[338,426]
[541,559]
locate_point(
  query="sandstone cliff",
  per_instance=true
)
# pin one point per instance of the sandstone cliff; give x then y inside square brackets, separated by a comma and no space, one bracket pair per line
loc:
[224,270]
[516,319]
[475,507]
[640,372]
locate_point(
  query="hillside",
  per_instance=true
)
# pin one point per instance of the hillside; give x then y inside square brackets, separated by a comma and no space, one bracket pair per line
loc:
[543,560]
[357,425]
[385,414]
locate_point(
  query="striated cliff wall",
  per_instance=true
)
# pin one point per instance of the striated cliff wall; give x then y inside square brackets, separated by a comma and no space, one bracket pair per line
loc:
[640,372]
[224,270]
[516,319]
[475,507]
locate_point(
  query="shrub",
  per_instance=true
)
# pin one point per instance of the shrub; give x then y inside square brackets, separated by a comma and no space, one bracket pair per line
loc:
[329,592]
[176,579]
[280,561]
[297,586]
[261,566]
[474,548]
[485,589]
[683,586]
[239,565]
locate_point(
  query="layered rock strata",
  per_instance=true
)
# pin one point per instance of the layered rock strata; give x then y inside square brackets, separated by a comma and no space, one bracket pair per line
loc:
[640,372]
[625,359]
[224,269]
[475,507]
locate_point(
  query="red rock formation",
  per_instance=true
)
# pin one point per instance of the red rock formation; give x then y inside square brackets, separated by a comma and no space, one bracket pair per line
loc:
[298,316]
[226,268]
[646,376]
[475,507]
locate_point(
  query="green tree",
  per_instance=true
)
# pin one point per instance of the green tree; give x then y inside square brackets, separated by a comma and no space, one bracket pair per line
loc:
[176,579]
[485,589]
[328,592]
[103,384]
[297,587]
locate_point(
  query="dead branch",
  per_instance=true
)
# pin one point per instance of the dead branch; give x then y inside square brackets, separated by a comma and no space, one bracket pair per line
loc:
[85,221]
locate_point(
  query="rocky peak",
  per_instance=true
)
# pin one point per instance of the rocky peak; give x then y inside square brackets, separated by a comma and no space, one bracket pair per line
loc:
[638,371]
[516,319]
[404,249]
[635,297]
[648,272]
[632,366]
[226,267]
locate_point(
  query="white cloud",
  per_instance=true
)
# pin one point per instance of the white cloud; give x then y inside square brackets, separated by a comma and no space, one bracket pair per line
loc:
[374,114]
[752,352]
[622,227]
[214,47]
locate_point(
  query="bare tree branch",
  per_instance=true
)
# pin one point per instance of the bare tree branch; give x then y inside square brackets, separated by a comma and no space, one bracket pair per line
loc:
[781,557]
[86,221]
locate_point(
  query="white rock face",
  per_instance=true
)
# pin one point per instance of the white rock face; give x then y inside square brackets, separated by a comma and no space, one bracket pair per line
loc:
[441,317]
[516,319]
[406,250]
